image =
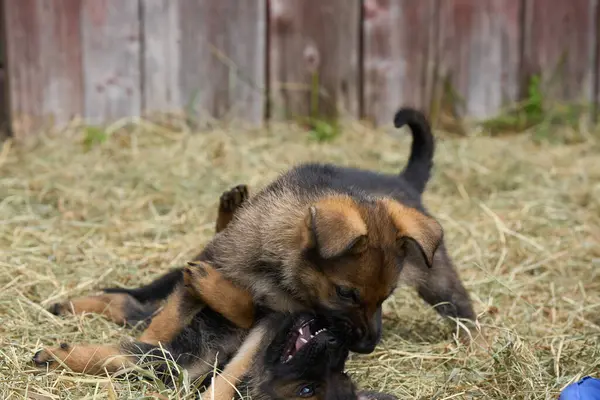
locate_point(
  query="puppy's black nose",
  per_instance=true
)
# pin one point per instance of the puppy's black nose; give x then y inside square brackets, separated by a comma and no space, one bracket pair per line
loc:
[364,346]
[362,342]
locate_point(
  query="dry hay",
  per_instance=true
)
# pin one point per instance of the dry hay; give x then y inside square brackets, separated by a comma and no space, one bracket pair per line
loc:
[521,220]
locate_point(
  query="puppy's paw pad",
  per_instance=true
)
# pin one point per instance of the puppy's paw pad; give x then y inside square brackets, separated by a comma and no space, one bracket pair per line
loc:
[194,270]
[233,198]
[43,358]
[59,309]
[48,356]
[241,194]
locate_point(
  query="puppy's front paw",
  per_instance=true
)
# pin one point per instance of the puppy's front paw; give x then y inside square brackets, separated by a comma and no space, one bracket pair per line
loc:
[48,357]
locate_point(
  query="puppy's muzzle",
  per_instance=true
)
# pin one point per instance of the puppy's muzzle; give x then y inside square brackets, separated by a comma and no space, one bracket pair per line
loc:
[367,333]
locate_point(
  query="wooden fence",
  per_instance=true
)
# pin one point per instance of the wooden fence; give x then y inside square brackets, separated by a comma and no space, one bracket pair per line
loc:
[254,59]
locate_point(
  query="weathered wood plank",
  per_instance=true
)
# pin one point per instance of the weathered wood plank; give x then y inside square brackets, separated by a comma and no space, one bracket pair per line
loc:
[479,55]
[111,59]
[192,62]
[596,61]
[161,56]
[308,37]
[4,113]
[23,65]
[398,56]
[43,63]
[558,46]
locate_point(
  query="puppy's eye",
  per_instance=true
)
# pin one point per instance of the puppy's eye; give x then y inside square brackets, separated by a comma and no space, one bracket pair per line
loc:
[306,391]
[347,293]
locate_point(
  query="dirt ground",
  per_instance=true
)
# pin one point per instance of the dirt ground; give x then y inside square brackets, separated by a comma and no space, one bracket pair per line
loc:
[522,222]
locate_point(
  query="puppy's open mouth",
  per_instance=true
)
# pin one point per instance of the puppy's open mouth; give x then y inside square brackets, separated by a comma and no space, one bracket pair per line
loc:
[300,337]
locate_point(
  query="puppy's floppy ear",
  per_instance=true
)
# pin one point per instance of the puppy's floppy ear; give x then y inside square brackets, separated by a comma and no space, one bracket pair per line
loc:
[334,227]
[415,226]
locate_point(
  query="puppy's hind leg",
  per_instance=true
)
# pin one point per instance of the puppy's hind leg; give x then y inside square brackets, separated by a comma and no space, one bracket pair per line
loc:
[119,308]
[90,359]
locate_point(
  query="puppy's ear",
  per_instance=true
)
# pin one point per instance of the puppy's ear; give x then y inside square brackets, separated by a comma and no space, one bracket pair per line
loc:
[413,226]
[333,226]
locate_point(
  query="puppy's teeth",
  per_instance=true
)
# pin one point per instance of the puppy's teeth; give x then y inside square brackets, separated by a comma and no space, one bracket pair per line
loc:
[304,340]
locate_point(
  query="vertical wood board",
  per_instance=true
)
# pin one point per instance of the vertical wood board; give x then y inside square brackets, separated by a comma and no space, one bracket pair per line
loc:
[399,57]
[23,65]
[111,59]
[43,48]
[161,56]
[559,38]
[206,56]
[314,39]
[479,57]
[596,61]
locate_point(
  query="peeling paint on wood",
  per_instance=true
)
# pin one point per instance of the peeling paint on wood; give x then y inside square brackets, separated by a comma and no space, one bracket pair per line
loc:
[193,61]
[43,63]
[595,28]
[161,56]
[111,59]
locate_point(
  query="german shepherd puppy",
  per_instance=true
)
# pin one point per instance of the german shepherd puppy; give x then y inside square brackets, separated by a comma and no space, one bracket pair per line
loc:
[335,240]
[299,356]
[328,239]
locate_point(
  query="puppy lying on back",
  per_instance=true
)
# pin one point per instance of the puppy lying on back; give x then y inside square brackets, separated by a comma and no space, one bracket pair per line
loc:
[299,355]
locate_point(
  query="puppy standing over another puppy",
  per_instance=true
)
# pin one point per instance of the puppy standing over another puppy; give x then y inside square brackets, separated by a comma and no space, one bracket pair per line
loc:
[336,240]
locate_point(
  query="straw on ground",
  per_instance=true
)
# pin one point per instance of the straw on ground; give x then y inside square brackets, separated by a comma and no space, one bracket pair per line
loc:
[522,224]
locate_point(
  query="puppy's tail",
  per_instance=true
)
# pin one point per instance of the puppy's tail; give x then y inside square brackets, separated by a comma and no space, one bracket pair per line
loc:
[418,169]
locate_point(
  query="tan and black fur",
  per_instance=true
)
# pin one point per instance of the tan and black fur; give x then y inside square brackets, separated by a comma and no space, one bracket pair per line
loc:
[183,325]
[253,365]
[135,307]
[209,337]
[316,371]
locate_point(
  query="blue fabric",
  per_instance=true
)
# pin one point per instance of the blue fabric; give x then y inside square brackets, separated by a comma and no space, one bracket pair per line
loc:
[586,389]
